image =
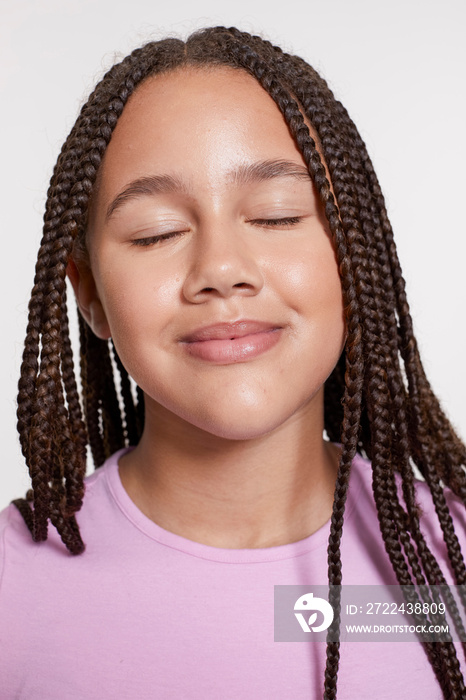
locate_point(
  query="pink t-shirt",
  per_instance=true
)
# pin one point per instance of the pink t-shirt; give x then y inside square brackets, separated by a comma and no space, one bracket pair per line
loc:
[146,614]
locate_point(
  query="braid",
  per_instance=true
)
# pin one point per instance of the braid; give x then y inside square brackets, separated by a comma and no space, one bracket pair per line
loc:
[377,401]
[130,410]
[374,290]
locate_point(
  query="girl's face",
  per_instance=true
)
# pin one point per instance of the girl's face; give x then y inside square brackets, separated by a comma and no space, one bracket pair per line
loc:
[211,264]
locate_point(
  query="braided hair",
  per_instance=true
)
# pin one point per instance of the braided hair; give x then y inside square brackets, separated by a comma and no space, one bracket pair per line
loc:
[378,401]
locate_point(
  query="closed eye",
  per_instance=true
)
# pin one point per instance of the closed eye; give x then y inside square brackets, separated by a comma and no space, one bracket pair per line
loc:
[153,240]
[284,221]
[267,223]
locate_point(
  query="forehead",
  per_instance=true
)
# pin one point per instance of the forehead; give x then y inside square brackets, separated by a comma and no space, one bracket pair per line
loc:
[191,116]
[192,92]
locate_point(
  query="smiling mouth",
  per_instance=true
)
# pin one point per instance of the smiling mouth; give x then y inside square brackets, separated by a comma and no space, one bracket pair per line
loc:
[228,343]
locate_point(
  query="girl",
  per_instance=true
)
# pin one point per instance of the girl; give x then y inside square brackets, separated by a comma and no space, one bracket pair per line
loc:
[228,245]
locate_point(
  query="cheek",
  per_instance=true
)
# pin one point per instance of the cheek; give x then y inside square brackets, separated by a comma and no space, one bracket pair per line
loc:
[310,275]
[138,298]
[314,290]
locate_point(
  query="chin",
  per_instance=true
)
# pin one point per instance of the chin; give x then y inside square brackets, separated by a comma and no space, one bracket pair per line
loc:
[246,426]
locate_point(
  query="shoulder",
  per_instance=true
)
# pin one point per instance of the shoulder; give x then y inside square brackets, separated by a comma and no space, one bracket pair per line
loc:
[12,526]
[361,484]
[439,520]
[436,520]
[16,543]
[15,537]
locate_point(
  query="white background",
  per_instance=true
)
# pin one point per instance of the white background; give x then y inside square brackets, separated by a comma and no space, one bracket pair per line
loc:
[397,65]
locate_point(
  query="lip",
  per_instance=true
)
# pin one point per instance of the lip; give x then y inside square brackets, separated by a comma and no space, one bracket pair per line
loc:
[228,331]
[226,343]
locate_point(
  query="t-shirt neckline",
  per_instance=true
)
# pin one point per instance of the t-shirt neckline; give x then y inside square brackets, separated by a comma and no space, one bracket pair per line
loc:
[177,542]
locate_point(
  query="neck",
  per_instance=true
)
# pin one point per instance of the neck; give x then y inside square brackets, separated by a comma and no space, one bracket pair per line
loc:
[262,492]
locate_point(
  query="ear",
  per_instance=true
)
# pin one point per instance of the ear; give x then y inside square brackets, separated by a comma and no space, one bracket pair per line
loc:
[87,298]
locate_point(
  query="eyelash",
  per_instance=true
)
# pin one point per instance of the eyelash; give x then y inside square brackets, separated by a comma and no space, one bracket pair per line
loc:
[286,221]
[153,240]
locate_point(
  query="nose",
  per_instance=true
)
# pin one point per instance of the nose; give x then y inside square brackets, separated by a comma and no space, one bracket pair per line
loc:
[223,265]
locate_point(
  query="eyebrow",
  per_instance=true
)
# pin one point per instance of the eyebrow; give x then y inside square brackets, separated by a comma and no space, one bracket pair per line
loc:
[240,176]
